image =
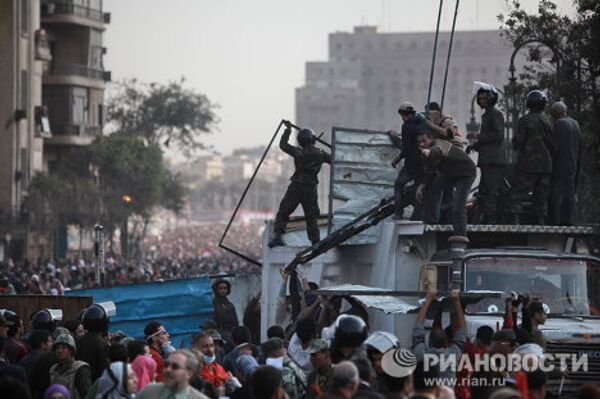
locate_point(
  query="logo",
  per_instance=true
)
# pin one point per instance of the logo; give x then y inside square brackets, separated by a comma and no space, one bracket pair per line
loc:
[399,362]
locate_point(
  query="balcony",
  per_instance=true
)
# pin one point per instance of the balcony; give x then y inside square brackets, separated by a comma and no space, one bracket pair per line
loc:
[70,134]
[67,12]
[78,75]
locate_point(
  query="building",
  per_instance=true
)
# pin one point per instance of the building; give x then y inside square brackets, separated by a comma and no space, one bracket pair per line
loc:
[23,50]
[51,98]
[74,80]
[369,73]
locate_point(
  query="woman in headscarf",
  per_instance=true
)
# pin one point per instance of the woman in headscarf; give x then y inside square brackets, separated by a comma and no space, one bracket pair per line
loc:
[117,382]
[57,391]
[144,368]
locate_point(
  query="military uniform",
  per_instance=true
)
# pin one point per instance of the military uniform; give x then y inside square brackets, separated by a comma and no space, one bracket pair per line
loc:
[491,161]
[303,187]
[534,163]
[413,167]
[566,140]
[294,380]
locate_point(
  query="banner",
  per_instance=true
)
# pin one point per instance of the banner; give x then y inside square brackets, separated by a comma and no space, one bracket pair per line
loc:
[180,305]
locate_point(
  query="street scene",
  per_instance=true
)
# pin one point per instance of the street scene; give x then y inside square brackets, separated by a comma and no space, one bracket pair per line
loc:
[271,199]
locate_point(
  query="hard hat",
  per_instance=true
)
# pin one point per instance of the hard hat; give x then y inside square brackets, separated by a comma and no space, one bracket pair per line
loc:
[537,100]
[306,136]
[95,319]
[350,331]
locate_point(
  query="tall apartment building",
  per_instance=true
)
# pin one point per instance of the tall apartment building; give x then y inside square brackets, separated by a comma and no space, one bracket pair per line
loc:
[369,73]
[74,80]
[51,97]
[23,51]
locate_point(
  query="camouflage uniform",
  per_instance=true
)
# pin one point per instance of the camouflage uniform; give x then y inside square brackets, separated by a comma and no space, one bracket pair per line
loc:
[294,380]
[303,188]
[491,161]
[534,163]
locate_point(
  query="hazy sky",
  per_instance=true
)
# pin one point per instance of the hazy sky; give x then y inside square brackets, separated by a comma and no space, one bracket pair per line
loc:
[248,56]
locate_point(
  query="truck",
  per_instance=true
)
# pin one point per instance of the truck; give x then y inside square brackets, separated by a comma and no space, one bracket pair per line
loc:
[387,263]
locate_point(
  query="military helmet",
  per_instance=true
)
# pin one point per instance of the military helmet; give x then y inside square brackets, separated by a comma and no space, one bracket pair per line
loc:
[95,319]
[306,136]
[350,331]
[65,339]
[43,320]
[537,100]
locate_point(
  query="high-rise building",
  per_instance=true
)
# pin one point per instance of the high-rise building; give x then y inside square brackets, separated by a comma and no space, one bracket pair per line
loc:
[74,80]
[369,73]
[51,98]
[23,50]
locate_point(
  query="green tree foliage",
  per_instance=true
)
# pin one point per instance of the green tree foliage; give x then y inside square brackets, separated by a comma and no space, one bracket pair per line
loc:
[576,41]
[162,113]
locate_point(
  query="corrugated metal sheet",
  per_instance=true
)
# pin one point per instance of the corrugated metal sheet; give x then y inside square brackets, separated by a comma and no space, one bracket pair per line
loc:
[181,305]
[387,304]
[361,176]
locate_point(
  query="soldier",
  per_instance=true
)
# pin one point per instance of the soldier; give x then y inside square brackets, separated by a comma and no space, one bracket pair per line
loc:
[413,168]
[303,188]
[534,162]
[492,158]
[566,140]
[446,165]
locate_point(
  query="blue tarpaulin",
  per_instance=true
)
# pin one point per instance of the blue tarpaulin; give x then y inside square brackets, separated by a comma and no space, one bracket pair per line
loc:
[180,305]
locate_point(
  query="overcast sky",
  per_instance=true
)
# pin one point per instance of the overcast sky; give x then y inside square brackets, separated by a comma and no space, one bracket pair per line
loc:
[248,56]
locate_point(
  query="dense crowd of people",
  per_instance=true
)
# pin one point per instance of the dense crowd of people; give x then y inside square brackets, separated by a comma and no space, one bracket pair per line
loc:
[326,352]
[182,252]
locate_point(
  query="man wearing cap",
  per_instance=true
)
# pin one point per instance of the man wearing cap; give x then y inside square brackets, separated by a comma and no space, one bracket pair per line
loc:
[156,336]
[320,358]
[409,151]
[75,375]
[566,139]
[294,380]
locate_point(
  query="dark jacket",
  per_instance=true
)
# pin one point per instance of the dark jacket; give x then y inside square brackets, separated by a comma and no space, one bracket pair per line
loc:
[566,140]
[307,160]
[9,370]
[450,159]
[225,315]
[408,144]
[533,141]
[366,392]
[29,361]
[93,349]
[490,144]
[39,377]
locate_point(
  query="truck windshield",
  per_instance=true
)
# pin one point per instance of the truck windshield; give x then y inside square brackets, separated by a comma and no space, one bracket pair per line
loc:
[565,286]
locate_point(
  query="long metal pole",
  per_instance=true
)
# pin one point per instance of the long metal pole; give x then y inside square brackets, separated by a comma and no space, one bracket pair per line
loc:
[435,43]
[449,54]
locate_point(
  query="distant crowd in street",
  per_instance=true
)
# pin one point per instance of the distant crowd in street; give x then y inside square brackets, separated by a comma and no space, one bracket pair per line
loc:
[183,252]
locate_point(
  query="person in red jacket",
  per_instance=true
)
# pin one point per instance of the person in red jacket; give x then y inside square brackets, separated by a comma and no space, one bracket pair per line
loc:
[156,336]
[211,372]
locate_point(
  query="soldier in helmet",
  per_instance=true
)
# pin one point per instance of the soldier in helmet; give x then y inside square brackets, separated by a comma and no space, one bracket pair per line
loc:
[43,320]
[409,151]
[534,162]
[303,188]
[93,347]
[350,333]
[492,158]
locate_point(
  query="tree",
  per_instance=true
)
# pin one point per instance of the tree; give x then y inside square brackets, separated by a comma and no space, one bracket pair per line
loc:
[162,113]
[577,42]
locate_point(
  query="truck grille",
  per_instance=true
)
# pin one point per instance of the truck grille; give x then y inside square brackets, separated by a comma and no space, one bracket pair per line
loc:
[573,381]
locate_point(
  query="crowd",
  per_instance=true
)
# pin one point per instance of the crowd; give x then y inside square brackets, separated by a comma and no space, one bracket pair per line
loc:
[183,252]
[327,351]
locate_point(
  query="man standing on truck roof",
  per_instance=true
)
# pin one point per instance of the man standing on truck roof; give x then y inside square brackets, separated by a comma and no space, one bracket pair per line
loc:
[409,151]
[534,162]
[566,139]
[446,165]
[303,188]
[492,157]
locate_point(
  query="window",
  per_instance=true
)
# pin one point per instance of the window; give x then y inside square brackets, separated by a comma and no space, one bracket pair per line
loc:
[95,60]
[79,106]
[24,16]
[24,90]
[100,115]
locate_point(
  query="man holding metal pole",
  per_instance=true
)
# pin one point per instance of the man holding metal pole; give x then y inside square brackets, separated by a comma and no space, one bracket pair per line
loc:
[303,187]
